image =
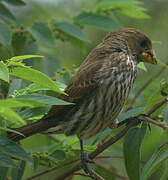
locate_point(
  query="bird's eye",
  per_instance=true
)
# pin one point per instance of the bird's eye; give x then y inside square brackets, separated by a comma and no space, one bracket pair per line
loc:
[144,43]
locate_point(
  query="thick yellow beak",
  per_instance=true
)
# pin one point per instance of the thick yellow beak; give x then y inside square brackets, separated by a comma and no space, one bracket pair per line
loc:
[149,57]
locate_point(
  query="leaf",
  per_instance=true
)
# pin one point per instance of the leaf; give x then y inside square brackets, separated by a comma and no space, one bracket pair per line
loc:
[154,162]
[34,112]
[58,155]
[5,35]
[129,113]
[131,149]
[11,115]
[34,76]
[20,58]
[4,72]
[44,99]
[11,130]
[106,23]
[42,34]
[127,7]
[135,12]
[6,161]
[17,173]
[16,2]
[3,173]
[71,141]
[11,148]
[142,66]
[6,14]
[72,30]
[14,102]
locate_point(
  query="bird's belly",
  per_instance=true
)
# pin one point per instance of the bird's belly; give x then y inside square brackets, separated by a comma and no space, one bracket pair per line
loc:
[99,109]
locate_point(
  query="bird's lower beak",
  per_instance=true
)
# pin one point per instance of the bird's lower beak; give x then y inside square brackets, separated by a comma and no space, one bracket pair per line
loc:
[149,57]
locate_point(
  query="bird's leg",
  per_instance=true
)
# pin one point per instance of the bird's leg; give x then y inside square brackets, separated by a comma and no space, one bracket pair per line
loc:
[85,160]
[139,118]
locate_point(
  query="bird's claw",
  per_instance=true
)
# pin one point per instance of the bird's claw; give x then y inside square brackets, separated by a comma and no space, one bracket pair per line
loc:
[85,160]
[139,118]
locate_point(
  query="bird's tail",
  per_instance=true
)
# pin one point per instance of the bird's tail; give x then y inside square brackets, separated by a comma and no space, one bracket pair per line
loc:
[30,129]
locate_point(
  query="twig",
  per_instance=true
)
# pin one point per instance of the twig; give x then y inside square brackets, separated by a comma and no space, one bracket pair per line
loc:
[97,176]
[156,75]
[164,127]
[52,169]
[157,106]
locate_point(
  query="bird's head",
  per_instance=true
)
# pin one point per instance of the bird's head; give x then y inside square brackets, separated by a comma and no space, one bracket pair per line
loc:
[136,43]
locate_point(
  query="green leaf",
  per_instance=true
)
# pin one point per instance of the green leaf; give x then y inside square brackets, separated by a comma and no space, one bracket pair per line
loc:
[154,162]
[130,113]
[20,58]
[135,12]
[142,66]
[5,35]
[6,14]
[71,141]
[58,155]
[16,2]
[42,34]
[15,102]
[34,76]
[72,30]
[106,23]
[17,173]
[131,149]
[34,112]
[6,161]
[44,99]
[127,7]
[4,72]
[11,148]
[11,115]
[11,130]
[3,173]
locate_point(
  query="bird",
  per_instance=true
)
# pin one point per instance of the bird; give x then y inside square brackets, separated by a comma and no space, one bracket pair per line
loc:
[98,90]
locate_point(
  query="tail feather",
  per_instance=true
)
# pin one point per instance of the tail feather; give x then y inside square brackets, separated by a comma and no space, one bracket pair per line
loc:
[31,129]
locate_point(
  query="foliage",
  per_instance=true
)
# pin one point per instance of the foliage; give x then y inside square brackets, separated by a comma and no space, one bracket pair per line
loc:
[27,94]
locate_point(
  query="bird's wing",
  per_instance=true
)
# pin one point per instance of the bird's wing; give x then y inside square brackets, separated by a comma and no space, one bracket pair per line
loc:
[87,77]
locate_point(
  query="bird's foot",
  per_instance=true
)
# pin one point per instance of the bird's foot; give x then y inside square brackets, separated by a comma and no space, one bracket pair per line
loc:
[139,118]
[85,160]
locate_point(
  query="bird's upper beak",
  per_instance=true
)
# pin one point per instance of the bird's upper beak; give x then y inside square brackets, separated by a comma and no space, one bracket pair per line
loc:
[149,57]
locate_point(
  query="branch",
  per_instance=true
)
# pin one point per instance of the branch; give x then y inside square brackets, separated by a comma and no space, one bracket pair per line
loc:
[147,83]
[157,106]
[52,169]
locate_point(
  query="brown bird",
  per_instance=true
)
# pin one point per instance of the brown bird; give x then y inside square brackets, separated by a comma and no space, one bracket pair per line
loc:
[99,89]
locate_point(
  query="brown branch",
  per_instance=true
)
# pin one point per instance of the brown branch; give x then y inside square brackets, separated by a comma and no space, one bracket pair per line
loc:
[161,125]
[147,83]
[52,169]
